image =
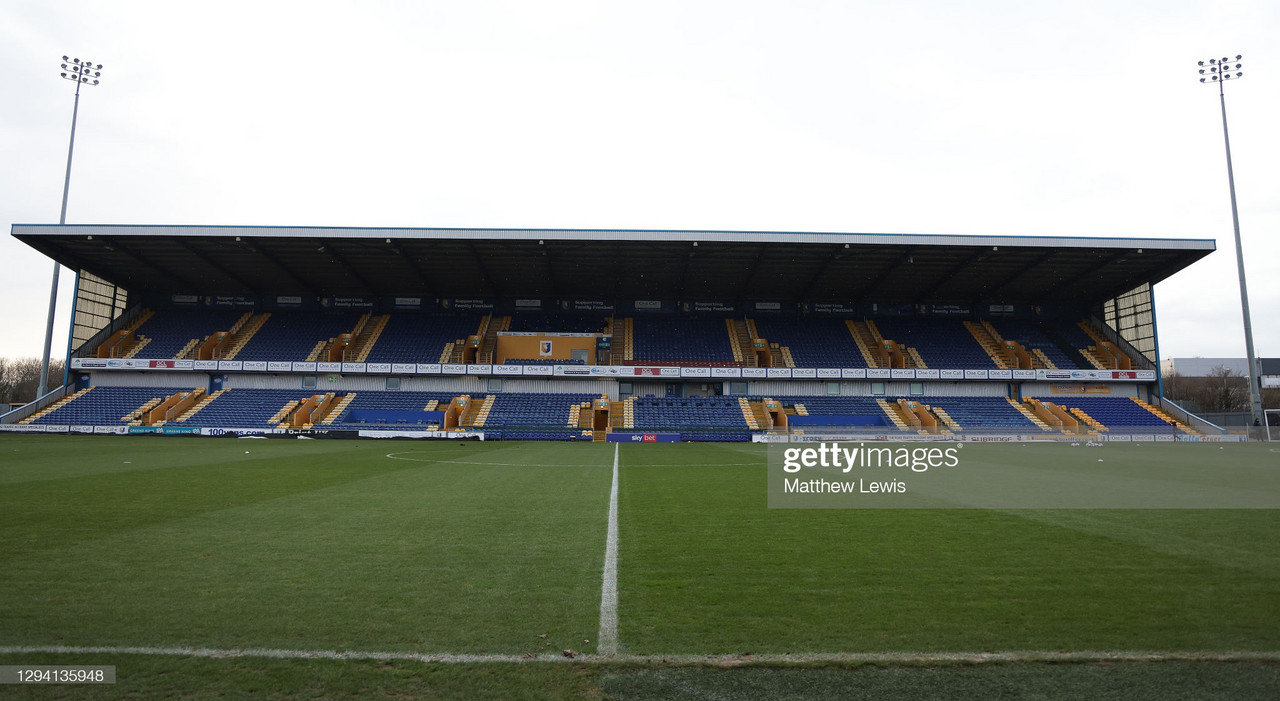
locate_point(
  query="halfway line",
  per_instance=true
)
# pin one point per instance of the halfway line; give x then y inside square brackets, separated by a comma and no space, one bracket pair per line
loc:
[607,638]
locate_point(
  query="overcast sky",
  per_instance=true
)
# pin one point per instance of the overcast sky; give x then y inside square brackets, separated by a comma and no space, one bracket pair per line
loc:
[1018,117]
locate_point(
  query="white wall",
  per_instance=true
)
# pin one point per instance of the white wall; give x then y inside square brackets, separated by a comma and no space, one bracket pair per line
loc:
[1045,390]
[187,380]
[606,386]
[640,389]
[462,384]
[862,388]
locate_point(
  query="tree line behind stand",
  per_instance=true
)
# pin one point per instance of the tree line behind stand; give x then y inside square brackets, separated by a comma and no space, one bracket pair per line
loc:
[1222,391]
[19,378]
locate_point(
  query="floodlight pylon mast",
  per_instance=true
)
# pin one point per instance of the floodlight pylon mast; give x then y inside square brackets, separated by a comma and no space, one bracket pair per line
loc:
[1220,71]
[81,73]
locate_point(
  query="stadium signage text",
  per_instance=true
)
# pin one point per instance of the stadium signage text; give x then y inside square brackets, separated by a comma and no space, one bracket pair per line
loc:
[613,370]
[642,437]
[586,305]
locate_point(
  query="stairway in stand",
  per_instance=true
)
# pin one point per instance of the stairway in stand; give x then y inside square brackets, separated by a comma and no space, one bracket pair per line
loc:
[869,343]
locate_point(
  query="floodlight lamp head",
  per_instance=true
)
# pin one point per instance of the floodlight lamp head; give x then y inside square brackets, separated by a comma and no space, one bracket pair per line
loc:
[1202,80]
[1238,57]
[1200,63]
[64,58]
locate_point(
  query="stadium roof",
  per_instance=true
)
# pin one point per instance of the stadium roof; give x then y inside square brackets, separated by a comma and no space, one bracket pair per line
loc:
[613,264]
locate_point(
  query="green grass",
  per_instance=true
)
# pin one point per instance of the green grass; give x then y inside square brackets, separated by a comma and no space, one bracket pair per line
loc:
[299,544]
[483,548]
[709,569]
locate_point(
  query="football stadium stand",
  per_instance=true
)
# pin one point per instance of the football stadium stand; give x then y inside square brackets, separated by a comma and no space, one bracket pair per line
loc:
[527,322]
[174,334]
[1117,412]
[689,414]
[813,343]
[696,340]
[294,335]
[432,331]
[941,343]
[101,406]
[986,414]
[1035,337]
[420,338]
[248,408]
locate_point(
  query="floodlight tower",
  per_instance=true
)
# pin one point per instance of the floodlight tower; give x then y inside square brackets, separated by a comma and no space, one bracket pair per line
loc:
[1220,70]
[81,73]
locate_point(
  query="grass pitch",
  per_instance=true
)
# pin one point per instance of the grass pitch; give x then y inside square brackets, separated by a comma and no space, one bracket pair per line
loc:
[468,548]
[706,567]
[300,545]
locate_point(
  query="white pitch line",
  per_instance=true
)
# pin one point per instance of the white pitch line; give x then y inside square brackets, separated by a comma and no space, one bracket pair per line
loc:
[219,653]
[607,638]
[908,658]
